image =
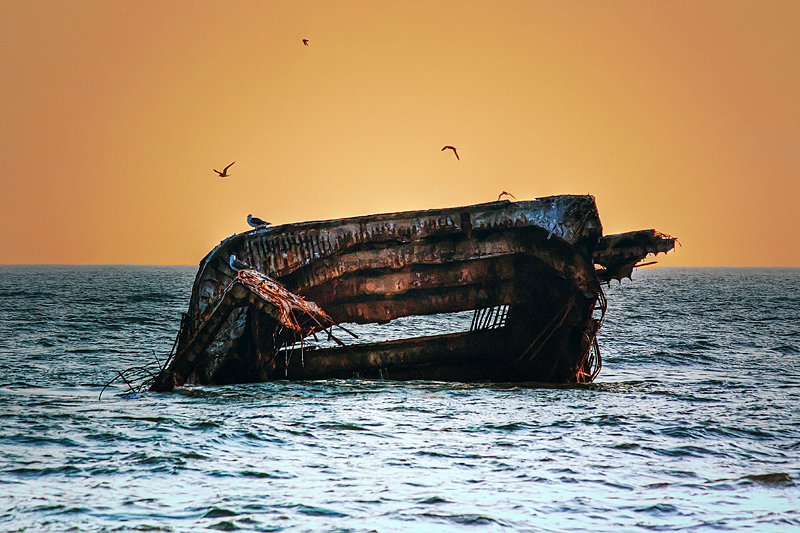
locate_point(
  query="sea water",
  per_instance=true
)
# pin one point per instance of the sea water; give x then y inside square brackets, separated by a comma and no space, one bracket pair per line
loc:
[693,423]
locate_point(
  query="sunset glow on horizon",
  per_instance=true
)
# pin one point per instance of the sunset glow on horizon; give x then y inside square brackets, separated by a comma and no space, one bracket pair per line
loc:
[680,116]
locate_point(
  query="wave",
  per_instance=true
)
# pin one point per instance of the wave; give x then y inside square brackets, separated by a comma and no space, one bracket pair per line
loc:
[216,512]
[467,519]
[785,349]
[341,426]
[37,440]
[684,451]
[512,426]
[658,509]
[265,475]
[26,294]
[67,470]
[311,510]
[155,297]
[224,525]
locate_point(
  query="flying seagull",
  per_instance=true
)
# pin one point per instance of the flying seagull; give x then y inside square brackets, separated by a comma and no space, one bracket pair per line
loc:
[238,265]
[453,148]
[507,194]
[305,42]
[224,173]
[256,222]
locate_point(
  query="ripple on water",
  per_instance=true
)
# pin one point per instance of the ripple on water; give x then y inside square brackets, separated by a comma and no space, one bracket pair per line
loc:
[467,519]
[312,510]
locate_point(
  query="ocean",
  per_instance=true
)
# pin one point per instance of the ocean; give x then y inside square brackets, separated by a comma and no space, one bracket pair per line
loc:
[692,425]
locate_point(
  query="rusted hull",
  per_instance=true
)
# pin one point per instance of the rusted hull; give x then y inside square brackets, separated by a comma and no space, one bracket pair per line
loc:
[472,356]
[535,260]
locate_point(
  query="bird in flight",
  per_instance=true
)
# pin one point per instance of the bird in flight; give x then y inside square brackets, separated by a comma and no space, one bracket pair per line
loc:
[257,222]
[238,265]
[224,173]
[507,194]
[305,42]
[453,148]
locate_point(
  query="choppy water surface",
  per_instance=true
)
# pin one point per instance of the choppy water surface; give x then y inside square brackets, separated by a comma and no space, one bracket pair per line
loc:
[697,404]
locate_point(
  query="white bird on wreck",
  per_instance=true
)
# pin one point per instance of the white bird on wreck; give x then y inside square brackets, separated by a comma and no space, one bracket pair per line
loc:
[224,173]
[257,222]
[238,265]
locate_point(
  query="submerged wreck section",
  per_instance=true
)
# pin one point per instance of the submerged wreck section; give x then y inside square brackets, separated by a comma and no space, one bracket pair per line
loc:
[276,315]
[529,271]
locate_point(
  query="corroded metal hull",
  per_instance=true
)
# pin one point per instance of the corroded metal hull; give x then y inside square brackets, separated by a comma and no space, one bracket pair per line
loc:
[527,269]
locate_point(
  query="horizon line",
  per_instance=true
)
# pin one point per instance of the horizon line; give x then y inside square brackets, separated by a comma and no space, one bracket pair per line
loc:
[648,267]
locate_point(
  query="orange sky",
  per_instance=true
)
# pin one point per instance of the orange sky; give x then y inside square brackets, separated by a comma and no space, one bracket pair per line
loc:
[682,116]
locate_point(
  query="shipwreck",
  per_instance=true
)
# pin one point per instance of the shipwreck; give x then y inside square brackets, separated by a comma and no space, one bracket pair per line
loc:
[523,281]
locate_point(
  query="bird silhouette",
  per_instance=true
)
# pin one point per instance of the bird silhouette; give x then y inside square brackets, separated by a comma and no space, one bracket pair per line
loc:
[257,222]
[507,194]
[224,173]
[305,42]
[238,265]
[453,148]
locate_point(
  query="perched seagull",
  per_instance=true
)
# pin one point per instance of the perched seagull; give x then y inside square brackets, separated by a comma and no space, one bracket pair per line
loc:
[257,222]
[224,173]
[453,148]
[238,265]
[305,42]
[507,194]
